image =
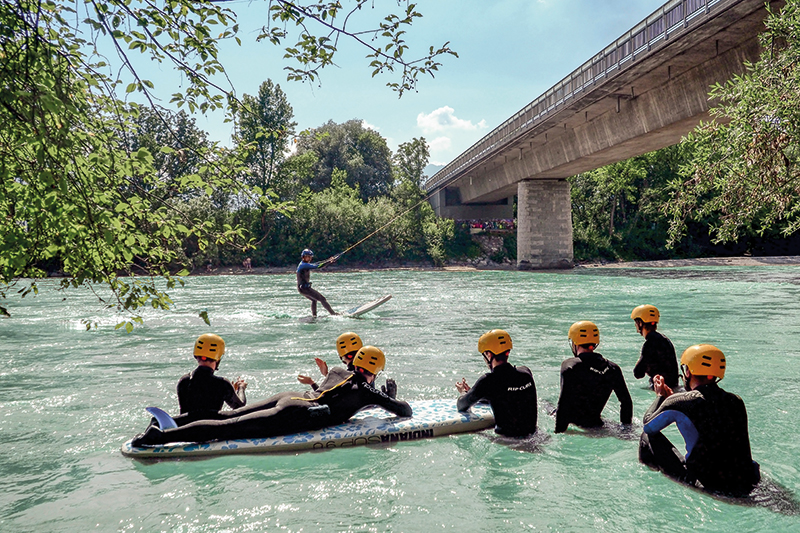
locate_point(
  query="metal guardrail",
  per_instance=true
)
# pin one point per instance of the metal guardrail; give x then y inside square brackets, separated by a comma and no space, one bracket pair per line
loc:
[674,18]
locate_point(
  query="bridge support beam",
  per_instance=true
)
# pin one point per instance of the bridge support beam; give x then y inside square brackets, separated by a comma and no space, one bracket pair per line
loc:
[544,224]
[446,203]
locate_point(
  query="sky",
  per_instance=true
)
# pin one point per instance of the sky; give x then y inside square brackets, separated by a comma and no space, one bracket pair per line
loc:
[510,52]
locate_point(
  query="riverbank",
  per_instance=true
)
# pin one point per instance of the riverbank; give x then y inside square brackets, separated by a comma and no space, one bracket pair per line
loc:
[465,266]
[700,261]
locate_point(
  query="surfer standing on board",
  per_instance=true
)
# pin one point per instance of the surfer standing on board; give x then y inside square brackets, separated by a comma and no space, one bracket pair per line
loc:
[658,353]
[713,423]
[290,412]
[587,381]
[304,281]
[510,390]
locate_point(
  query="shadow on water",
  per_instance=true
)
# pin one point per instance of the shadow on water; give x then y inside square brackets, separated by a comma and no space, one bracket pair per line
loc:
[768,494]
[531,444]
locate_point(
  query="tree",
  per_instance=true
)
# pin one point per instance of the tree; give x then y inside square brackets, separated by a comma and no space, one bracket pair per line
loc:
[745,177]
[73,194]
[410,161]
[172,139]
[264,129]
[358,151]
[617,210]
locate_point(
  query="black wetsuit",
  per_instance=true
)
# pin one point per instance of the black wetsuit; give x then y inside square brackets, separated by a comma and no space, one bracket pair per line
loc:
[512,395]
[586,384]
[304,287]
[282,414]
[201,394]
[658,357]
[719,456]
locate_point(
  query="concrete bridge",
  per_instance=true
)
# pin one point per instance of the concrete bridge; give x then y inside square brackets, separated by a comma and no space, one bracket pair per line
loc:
[641,93]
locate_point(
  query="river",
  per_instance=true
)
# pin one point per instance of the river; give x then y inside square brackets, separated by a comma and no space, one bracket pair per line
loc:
[71,397]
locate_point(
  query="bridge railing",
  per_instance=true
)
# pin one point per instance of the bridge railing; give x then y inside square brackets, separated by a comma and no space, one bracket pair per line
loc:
[670,20]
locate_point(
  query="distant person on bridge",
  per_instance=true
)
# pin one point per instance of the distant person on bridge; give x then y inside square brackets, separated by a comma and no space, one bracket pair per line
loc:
[658,353]
[304,281]
[510,390]
[587,381]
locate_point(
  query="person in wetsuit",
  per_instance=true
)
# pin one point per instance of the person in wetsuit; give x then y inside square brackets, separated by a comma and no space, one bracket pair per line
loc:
[587,381]
[347,345]
[510,390]
[658,353]
[201,394]
[304,282]
[713,423]
[290,412]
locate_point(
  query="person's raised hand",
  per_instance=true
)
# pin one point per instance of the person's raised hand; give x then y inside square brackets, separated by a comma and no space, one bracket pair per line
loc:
[660,386]
[390,389]
[322,365]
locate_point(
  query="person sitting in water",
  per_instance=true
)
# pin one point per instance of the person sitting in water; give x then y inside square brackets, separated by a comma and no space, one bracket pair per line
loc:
[658,354]
[290,412]
[713,423]
[510,390]
[201,394]
[587,381]
[304,282]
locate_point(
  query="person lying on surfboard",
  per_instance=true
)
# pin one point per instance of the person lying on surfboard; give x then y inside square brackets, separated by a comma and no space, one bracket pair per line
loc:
[510,390]
[290,412]
[347,345]
[304,281]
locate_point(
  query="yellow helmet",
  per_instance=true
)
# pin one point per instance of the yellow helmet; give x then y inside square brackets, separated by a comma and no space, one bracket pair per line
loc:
[370,358]
[496,341]
[210,346]
[584,332]
[646,313]
[704,360]
[348,342]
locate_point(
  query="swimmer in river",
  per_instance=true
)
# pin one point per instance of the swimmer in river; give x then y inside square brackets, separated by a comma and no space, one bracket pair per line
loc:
[291,412]
[304,281]
[712,421]
[587,380]
[510,390]
[658,353]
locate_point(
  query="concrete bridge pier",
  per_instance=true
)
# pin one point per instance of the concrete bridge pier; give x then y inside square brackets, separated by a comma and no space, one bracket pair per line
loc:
[544,224]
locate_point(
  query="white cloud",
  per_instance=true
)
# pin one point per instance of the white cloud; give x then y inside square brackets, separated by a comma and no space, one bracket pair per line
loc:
[367,126]
[443,119]
[440,144]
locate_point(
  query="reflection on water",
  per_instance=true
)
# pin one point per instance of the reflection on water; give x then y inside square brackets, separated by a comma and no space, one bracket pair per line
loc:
[70,398]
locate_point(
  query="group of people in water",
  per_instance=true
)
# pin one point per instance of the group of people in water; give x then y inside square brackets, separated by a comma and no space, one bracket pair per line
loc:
[713,422]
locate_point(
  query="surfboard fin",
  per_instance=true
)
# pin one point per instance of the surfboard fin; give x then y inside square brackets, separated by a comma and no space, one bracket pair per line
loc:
[162,417]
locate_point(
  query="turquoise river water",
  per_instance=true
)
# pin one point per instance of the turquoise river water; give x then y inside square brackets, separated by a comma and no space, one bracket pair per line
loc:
[71,397]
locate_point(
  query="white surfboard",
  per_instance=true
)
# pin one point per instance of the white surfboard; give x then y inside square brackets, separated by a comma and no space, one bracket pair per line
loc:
[369,306]
[431,418]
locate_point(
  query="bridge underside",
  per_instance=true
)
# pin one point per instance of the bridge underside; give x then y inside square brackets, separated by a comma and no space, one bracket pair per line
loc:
[645,111]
